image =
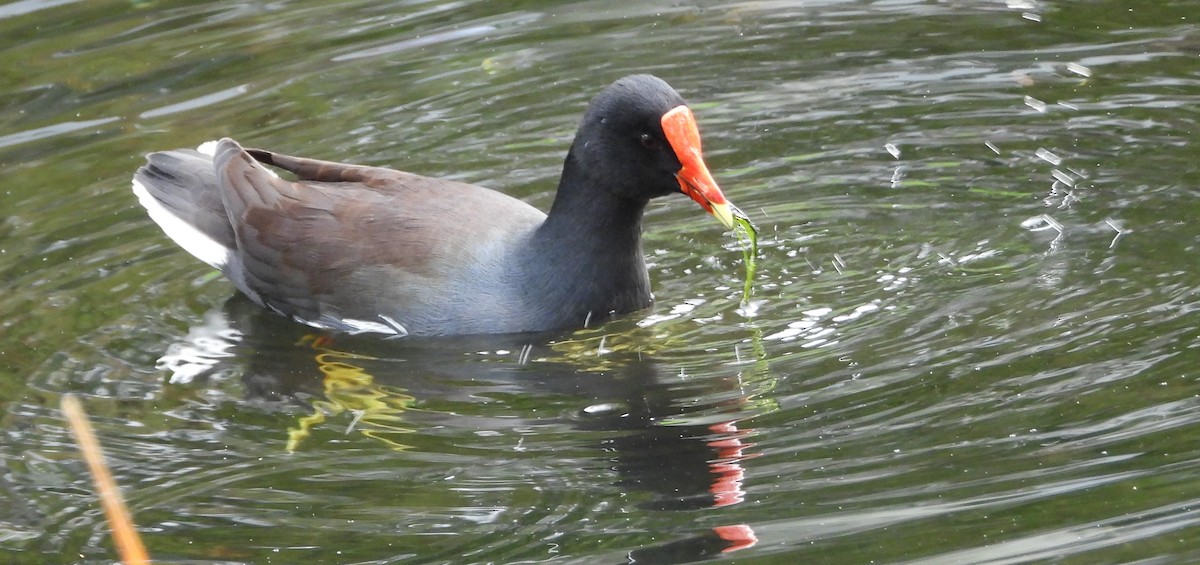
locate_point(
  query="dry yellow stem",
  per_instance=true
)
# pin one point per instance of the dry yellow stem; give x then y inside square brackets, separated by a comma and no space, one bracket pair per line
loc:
[129,545]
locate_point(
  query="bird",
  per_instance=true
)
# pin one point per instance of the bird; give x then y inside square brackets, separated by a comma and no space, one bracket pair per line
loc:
[361,249]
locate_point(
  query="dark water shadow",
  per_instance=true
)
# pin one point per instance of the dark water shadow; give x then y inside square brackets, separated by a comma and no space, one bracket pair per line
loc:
[675,439]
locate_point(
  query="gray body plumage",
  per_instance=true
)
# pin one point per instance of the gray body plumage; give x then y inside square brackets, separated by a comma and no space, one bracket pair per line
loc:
[368,249]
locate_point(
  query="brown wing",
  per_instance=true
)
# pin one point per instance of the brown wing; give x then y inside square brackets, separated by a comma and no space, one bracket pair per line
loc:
[318,244]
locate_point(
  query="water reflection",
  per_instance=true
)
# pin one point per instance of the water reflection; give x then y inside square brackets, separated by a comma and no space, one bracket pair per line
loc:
[670,439]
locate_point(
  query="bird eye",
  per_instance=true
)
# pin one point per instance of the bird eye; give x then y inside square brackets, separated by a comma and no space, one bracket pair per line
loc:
[647,140]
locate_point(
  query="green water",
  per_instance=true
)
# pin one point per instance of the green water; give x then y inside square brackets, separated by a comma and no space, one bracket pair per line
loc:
[972,337]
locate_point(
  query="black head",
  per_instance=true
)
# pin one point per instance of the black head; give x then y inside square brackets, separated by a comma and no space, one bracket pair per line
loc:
[638,140]
[621,144]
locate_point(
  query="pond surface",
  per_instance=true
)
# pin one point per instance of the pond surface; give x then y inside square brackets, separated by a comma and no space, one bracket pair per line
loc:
[973,338]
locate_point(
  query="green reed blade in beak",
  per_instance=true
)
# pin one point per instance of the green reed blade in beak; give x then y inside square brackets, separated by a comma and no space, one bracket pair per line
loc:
[744,227]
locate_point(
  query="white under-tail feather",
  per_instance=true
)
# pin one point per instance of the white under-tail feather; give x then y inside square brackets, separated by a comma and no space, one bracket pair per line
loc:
[189,238]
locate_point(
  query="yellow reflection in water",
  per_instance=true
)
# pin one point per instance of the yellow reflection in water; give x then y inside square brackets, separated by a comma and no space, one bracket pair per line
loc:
[378,410]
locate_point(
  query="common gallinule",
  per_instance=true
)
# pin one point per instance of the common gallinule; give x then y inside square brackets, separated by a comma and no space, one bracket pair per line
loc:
[368,249]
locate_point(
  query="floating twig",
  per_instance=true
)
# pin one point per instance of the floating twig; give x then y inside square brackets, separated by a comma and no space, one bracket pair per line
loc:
[129,544]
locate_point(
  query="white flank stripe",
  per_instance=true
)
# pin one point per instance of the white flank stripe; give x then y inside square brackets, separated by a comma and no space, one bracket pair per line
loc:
[189,238]
[390,327]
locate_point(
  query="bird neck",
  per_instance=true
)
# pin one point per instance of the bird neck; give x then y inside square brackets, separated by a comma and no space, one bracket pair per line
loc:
[589,249]
[590,215]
